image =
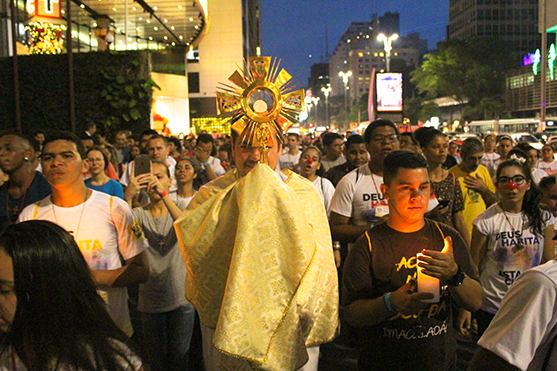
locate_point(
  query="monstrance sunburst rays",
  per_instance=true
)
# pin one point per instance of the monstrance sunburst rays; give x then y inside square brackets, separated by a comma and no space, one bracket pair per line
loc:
[261,103]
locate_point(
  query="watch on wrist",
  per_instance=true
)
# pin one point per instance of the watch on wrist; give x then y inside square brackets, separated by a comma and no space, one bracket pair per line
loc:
[457,279]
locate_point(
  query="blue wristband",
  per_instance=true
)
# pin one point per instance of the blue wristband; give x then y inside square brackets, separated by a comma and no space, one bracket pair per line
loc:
[206,163]
[387,299]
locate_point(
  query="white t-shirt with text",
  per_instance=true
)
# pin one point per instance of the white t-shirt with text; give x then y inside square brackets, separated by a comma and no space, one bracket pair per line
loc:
[105,231]
[512,249]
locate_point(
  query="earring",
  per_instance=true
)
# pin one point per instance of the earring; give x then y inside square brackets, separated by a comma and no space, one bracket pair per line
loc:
[26,158]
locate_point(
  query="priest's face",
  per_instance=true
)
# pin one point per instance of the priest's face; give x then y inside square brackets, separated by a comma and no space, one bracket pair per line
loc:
[246,157]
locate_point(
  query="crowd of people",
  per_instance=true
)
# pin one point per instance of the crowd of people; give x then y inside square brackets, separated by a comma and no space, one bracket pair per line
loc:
[477,216]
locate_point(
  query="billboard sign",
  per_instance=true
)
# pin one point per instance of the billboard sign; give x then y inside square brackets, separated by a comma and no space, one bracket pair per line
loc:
[389,92]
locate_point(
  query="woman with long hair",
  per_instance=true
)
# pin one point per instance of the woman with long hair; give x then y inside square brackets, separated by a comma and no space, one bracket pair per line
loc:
[445,186]
[185,174]
[310,168]
[510,237]
[51,316]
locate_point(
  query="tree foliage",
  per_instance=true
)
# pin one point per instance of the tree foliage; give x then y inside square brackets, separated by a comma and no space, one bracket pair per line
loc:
[470,71]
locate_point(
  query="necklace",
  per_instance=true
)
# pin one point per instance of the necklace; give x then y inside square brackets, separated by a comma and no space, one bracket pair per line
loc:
[519,246]
[80,215]
[162,237]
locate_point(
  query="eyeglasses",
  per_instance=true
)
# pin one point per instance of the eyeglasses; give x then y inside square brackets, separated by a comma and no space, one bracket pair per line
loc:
[517,179]
[381,138]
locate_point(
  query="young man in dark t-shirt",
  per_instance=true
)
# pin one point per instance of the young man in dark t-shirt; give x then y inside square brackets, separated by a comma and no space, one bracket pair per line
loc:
[398,330]
[356,155]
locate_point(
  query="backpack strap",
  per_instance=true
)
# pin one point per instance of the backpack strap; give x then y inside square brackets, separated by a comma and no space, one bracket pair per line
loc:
[368,242]
[36,209]
[440,231]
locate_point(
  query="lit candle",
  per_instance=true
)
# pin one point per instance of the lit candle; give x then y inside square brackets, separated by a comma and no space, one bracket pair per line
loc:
[427,283]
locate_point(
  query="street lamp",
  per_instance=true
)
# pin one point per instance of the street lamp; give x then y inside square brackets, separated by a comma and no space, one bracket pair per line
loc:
[315,101]
[387,43]
[345,76]
[326,91]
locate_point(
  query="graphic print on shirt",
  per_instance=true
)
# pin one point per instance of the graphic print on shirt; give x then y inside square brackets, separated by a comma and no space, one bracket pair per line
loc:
[422,327]
[374,200]
[515,253]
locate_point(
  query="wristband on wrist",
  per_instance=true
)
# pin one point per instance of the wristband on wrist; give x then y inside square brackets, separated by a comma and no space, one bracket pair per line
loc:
[164,194]
[206,163]
[387,300]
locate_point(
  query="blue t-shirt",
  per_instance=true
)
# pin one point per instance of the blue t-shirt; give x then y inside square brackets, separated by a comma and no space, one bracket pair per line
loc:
[111,187]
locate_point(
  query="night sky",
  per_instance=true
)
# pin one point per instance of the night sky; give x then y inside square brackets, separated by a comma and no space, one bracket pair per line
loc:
[294,31]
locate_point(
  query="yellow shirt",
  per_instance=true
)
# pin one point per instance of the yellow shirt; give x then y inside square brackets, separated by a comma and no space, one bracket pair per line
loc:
[474,204]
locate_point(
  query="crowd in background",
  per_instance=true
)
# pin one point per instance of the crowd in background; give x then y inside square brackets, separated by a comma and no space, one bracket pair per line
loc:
[489,190]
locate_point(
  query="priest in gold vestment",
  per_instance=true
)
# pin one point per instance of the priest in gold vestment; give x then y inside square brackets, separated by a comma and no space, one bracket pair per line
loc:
[260,266]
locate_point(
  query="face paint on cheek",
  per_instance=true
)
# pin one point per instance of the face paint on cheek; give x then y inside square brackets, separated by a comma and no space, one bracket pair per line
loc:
[522,186]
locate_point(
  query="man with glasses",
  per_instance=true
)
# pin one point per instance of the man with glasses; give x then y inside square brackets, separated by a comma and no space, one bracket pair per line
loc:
[477,187]
[358,202]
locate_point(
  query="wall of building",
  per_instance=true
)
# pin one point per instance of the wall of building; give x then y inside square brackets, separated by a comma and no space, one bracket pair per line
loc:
[221,50]
[517,25]
[359,51]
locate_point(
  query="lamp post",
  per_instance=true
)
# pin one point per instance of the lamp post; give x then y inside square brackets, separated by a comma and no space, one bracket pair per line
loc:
[315,101]
[345,76]
[326,91]
[387,43]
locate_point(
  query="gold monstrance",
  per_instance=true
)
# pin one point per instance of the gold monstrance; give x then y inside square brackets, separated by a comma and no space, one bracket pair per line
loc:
[262,104]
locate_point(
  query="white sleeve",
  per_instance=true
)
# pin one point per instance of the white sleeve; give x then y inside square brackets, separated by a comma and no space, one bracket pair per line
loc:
[328,192]
[27,213]
[131,240]
[343,197]
[484,223]
[526,316]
